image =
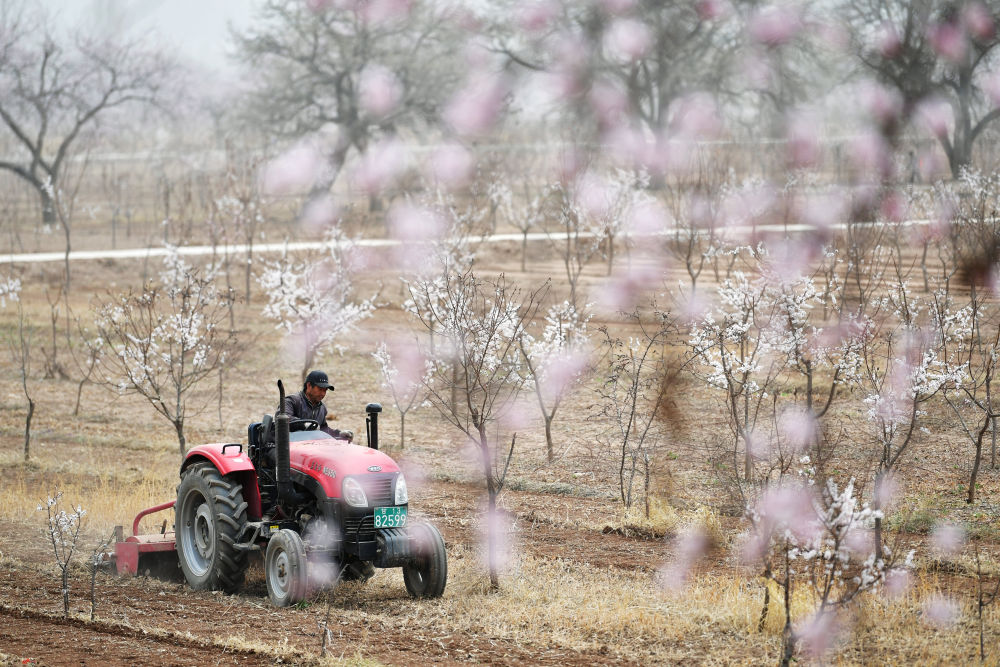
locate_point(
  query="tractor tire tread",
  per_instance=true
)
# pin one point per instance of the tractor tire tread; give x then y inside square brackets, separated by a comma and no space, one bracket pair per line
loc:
[226,496]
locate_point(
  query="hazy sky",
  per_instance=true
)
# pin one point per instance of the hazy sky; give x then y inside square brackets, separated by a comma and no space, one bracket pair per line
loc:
[196,28]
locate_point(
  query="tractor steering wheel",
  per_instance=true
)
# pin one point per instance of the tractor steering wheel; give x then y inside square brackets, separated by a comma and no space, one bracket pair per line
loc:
[303,425]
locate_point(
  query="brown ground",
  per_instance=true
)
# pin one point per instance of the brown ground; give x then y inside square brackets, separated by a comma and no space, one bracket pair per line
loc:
[142,621]
[189,628]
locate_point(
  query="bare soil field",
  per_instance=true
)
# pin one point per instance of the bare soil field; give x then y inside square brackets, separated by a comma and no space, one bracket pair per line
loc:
[581,585]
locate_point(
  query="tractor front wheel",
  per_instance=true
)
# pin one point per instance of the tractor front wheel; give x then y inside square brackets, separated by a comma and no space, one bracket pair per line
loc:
[285,568]
[210,514]
[426,575]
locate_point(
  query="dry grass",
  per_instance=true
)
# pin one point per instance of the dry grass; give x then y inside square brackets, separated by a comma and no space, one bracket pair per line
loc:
[117,459]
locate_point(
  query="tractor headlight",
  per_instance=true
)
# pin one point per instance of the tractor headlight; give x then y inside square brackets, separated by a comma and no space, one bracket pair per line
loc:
[353,493]
[401,496]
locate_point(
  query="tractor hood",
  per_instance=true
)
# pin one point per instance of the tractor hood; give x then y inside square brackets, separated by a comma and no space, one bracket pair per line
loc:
[328,462]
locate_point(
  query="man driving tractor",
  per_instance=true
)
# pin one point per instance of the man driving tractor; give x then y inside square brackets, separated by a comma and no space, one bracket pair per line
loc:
[308,404]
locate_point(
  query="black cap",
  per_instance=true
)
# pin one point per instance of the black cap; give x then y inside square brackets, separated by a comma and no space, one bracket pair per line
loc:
[319,379]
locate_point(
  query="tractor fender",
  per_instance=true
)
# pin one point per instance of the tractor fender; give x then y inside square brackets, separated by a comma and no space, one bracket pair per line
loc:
[232,461]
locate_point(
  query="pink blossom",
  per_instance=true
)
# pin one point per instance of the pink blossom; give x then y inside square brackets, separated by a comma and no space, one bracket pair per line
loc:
[940,611]
[887,41]
[897,583]
[381,166]
[790,259]
[775,25]
[823,209]
[628,145]
[790,508]
[379,90]
[416,227]
[451,165]
[319,6]
[645,219]
[409,362]
[694,307]
[799,429]
[622,291]
[535,16]
[414,224]
[758,445]
[978,21]
[627,40]
[616,7]
[948,538]
[688,546]
[758,71]
[319,214]
[475,108]
[416,476]
[294,171]
[833,36]
[869,153]
[695,116]
[948,40]
[609,101]
[562,372]
[499,525]
[886,491]
[594,196]
[881,103]
[936,115]
[894,207]
[859,541]
[819,634]
[384,11]
[710,10]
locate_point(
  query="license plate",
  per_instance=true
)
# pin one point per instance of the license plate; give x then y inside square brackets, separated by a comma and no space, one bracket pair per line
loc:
[390,517]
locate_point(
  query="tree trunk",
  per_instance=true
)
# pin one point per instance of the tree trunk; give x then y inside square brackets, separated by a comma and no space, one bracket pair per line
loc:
[993,448]
[179,427]
[971,497]
[491,515]
[548,437]
[27,429]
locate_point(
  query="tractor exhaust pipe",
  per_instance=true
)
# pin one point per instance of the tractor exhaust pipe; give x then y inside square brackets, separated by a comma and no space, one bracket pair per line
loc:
[283,467]
[371,423]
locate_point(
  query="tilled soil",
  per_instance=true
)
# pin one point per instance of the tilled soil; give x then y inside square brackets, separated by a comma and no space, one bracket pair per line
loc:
[142,621]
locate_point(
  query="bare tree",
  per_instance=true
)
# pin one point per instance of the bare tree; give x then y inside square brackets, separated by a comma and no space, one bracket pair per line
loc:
[63,530]
[20,350]
[555,361]
[404,373]
[348,68]
[902,368]
[933,54]
[481,364]
[53,90]
[312,299]
[162,342]
[635,387]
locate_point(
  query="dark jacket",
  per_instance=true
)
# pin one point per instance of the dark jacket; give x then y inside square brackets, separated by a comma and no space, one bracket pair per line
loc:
[299,407]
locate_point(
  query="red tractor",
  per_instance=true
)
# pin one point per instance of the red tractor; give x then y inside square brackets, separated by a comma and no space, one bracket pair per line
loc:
[319,509]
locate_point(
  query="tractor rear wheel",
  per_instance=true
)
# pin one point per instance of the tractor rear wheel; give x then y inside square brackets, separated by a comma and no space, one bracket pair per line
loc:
[209,517]
[426,575]
[285,568]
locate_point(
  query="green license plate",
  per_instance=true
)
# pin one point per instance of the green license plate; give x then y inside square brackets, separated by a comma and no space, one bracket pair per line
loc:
[390,517]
